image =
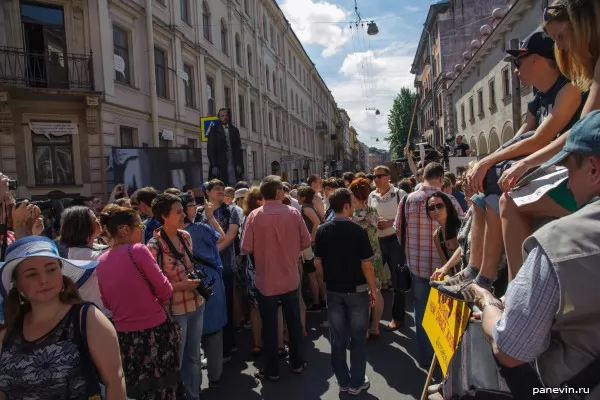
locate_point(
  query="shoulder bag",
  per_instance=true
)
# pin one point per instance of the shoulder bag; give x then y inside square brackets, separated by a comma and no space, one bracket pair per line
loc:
[403,282]
[88,368]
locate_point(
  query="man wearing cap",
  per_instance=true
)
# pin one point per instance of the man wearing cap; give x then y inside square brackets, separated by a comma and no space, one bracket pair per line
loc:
[551,313]
[554,109]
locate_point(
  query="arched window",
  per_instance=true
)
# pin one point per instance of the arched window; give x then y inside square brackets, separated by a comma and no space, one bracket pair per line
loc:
[224,48]
[268,78]
[249,51]
[238,50]
[206,21]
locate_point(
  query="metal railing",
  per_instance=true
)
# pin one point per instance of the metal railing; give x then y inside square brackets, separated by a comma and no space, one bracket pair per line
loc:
[50,70]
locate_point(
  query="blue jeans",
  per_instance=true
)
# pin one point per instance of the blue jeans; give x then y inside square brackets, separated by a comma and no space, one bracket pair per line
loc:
[189,351]
[348,315]
[268,307]
[420,289]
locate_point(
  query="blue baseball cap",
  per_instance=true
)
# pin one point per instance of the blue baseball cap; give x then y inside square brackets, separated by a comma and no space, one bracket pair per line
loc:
[584,138]
[79,271]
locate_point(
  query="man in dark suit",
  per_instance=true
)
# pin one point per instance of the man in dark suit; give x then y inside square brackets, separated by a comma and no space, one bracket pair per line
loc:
[225,151]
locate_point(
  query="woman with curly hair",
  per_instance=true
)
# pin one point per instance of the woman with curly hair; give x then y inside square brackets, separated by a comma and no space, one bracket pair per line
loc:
[367,217]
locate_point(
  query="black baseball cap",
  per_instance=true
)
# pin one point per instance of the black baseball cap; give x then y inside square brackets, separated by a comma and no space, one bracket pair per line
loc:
[538,43]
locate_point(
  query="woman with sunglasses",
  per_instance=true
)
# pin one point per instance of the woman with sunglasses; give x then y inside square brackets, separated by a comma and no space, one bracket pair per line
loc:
[134,289]
[445,237]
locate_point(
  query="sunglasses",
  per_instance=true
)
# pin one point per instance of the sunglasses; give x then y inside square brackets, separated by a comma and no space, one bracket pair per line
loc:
[517,61]
[438,206]
[379,176]
[547,16]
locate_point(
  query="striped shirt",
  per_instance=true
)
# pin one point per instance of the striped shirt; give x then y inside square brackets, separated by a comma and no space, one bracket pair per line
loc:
[421,254]
[182,302]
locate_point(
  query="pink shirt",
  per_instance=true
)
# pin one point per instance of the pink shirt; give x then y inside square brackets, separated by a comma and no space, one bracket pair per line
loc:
[276,234]
[125,292]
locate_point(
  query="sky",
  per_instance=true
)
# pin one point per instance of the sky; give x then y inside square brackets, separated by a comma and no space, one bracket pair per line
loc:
[364,73]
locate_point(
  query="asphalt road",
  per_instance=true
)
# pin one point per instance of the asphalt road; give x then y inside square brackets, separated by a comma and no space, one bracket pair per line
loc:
[391,367]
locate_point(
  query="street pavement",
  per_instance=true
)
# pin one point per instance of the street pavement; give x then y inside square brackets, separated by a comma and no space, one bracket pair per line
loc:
[391,367]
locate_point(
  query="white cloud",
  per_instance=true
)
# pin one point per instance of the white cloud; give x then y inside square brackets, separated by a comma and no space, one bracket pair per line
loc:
[386,71]
[412,8]
[318,22]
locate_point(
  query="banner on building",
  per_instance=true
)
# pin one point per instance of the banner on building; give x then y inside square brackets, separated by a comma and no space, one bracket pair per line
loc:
[53,128]
[445,321]
[161,168]
[205,125]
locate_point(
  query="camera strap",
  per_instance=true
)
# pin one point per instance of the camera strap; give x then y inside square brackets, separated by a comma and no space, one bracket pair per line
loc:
[180,256]
[194,258]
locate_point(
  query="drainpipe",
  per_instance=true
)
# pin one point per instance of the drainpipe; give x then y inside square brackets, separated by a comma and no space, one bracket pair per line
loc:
[152,73]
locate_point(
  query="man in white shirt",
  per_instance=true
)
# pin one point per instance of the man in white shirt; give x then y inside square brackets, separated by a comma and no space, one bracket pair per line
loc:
[385,199]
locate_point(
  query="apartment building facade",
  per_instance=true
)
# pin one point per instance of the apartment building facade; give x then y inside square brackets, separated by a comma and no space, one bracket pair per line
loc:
[450,24]
[489,101]
[82,77]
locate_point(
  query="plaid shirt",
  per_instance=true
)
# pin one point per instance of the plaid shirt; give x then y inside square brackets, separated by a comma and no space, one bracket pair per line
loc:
[181,302]
[421,253]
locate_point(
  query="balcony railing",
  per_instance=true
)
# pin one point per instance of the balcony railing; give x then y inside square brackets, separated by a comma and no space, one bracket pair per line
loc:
[321,126]
[49,70]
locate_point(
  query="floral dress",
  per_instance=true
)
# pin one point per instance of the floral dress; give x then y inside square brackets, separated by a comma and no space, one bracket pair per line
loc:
[367,218]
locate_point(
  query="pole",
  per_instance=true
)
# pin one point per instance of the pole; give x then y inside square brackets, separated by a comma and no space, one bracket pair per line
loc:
[433,97]
[152,73]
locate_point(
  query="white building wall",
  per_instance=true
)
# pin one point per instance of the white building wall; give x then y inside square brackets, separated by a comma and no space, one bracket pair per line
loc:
[493,125]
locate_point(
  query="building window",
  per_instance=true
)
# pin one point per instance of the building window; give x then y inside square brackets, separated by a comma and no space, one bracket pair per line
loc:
[206,21]
[121,49]
[254,164]
[224,47]
[190,99]
[228,99]
[462,114]
[301,108]
[480,101]
[126,136]
[249,51]
[253,116]
[290,58]
[292,98]
[246,7]
[272,36]
[281,89]
[297,108]
[193,143]
[274,84]
[53,159]
[160,69]
[471,110]
[238,50]
[185,10]
[210,83]
[505,83]
[265,26]
[492,88]
[277,129]
[271,125]
[242,108]
[268,78]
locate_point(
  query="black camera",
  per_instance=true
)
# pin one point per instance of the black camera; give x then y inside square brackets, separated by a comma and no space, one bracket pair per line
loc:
[204,289]
[13,185]
[44,205]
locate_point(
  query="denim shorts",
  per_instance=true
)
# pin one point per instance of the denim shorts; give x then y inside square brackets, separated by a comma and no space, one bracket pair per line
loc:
[484,200]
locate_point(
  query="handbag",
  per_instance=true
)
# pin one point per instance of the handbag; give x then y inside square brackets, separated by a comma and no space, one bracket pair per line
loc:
[152,384]
[88,368]
[402,280]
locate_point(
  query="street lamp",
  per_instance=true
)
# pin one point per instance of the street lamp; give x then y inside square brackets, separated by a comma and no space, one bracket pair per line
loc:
[372,29]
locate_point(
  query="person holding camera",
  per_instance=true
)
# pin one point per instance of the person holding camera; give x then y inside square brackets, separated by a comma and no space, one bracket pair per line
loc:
[172,247]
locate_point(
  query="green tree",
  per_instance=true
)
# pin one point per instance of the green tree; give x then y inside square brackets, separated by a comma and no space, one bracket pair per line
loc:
[399,122]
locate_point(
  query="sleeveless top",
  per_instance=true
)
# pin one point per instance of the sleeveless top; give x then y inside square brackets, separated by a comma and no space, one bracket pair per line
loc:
[307,221]
[49,368]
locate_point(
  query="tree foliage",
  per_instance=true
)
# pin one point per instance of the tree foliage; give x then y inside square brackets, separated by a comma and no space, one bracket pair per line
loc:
[399,122]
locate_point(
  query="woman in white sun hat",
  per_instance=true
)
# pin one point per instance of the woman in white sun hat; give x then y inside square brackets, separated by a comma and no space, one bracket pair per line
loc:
[55,345]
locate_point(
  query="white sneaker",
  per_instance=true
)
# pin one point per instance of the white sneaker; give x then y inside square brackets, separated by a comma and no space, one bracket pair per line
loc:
[357,391]
[204,363]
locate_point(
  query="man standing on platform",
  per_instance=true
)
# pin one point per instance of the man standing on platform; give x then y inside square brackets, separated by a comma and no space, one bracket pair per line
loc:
[225,151]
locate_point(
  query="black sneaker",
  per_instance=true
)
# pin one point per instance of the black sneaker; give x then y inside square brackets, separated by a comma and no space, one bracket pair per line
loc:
[314,308]
[453,280]
[460,292]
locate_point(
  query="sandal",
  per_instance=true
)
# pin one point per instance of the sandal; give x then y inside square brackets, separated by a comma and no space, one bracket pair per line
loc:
[300,369]
[256,351]
[283,352]
[260,374]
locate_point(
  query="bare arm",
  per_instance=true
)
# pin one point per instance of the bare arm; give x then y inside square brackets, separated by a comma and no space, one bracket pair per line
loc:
[104,350]
[529,124]
[567,102]
[229,237]
[316,221]
[593,101]
[212,221]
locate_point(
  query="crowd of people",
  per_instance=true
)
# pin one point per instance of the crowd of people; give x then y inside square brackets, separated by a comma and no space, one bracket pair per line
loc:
[133,299]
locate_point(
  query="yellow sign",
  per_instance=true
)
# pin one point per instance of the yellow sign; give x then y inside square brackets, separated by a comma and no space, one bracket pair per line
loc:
[445,321]
[205,124]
